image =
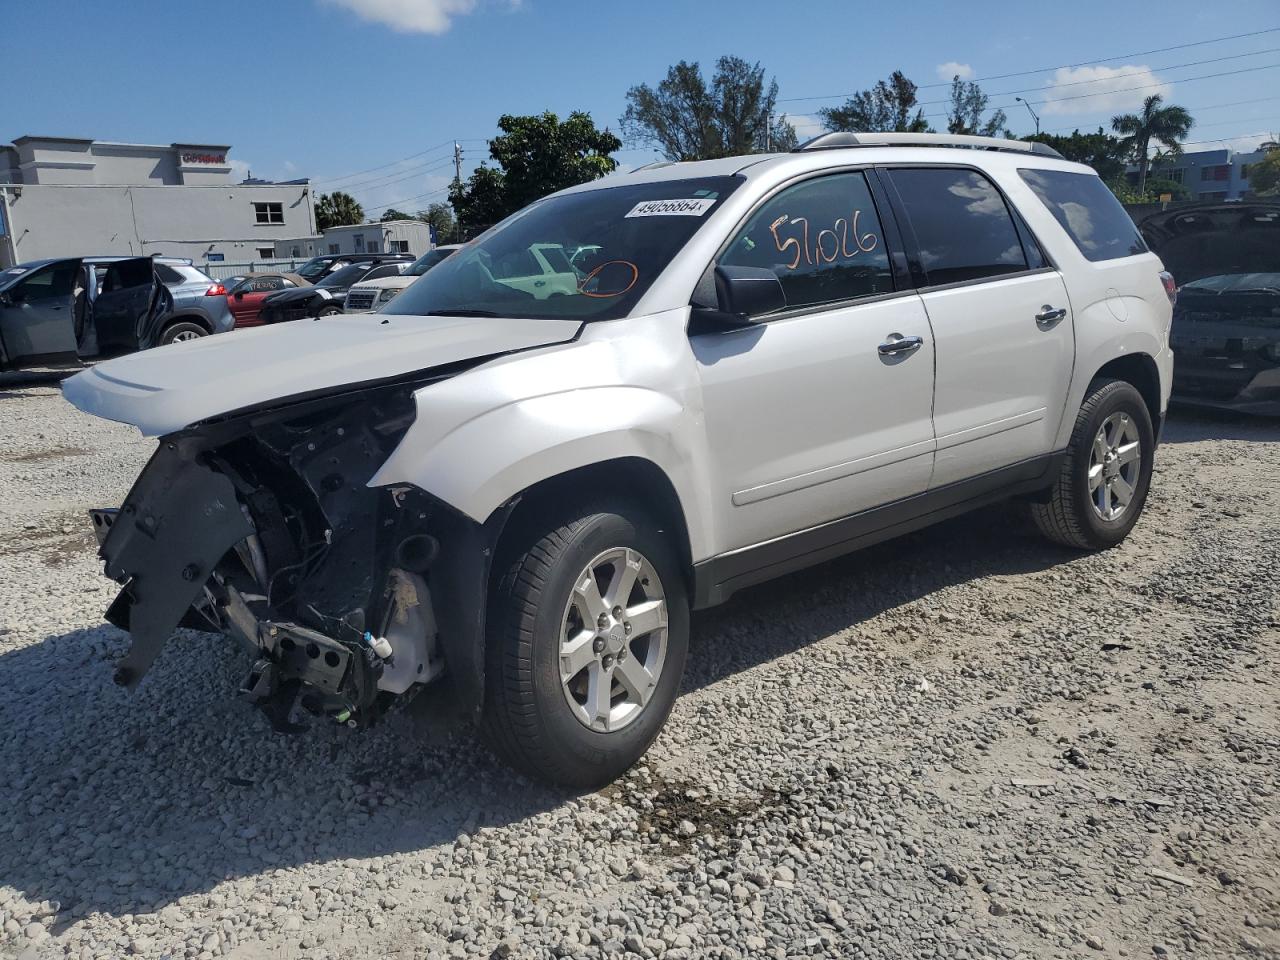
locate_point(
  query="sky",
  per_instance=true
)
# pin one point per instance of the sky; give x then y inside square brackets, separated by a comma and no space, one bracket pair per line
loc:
[368,96]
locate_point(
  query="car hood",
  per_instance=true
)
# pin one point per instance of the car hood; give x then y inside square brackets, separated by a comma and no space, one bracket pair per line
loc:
[301,294]
[168,388]
[383,283]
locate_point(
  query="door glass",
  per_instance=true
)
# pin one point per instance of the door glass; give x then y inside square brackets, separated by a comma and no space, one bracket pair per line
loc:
[128,273]
[53,282]
[962,227]
[821,238]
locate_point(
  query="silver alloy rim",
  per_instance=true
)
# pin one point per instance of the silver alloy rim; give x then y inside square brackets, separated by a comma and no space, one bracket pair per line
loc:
[183,335]
[613,640]
[1114,465]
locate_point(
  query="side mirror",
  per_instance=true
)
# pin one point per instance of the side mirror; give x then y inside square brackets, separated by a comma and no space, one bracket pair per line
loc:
[749,291]
[239,294]
[6,300]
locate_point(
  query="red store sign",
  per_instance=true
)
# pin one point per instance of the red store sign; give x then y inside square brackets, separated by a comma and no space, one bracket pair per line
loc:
[212,158]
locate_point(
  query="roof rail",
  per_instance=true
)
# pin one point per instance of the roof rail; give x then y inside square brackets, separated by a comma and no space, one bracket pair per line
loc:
[654,165]
[839,140]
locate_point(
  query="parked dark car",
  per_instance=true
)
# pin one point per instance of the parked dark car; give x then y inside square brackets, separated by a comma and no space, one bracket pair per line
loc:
[317,268]
[325,298]
[246,296]
[1225,258]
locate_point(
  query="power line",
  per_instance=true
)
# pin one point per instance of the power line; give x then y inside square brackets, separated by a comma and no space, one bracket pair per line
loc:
[1064,66]
[1195,110]
[412,156]
[396,176]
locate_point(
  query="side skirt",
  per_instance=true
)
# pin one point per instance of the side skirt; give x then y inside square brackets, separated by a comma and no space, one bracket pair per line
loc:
[718,578]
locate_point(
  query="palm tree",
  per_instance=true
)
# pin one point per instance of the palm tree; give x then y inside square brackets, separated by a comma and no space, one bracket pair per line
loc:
[337,209]
[1165,125]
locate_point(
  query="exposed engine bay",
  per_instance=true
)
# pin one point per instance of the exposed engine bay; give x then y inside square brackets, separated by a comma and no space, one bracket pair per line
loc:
[260,525]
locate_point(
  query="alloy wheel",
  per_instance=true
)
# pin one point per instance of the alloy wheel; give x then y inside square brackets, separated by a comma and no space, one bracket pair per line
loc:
[613,640]
[1115,464]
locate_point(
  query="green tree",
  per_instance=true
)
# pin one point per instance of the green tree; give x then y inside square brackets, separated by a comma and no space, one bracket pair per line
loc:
[689,119]
[1167,126]
[440,216]
[1264,176]
[337,209]
[968,104]
[1105,153]
[887,107]
[391,213]
[535,156]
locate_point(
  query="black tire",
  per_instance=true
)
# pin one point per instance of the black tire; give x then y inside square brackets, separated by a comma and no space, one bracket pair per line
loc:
[329,311]
[527,717]
[1068,515]
[182,330]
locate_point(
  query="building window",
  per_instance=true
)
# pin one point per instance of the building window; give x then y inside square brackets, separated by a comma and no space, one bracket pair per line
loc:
[1244,171]
[297,252]
[333,248]
[397,246]
[1215,173]
[266,253]
[1175,174]
[268,212]
[358,240]
[373,246]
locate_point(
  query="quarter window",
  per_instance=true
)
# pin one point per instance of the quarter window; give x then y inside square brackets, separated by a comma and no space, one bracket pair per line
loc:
[962,227]
[268,212]
[822,239]
[1088,211]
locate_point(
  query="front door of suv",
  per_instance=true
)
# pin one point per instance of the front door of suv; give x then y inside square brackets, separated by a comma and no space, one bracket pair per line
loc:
[1001,318]
[817,411]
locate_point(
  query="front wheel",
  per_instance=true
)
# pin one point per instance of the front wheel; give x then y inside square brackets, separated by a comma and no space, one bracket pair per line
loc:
[589,629]
[329,311]
[1102,484]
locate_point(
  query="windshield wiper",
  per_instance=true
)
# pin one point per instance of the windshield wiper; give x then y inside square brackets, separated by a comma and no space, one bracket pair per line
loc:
[461,313]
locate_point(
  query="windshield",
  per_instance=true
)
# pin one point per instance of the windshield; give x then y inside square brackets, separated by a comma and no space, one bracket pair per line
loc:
[626,236]
[427,261]
[314,268]
[345,276]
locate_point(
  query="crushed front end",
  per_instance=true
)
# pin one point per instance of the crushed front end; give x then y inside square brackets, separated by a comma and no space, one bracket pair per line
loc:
[260,525]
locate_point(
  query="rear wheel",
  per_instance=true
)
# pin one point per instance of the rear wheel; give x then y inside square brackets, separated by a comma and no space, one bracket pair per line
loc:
[181,331]
[329,311]
[588,634]
[1102,485]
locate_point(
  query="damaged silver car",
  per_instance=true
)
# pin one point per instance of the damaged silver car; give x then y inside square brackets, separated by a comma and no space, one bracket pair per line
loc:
[521,488]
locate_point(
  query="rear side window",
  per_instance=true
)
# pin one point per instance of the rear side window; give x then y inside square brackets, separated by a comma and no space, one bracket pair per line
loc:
[821,238]
[1088,211]
[962,227]
[168,274]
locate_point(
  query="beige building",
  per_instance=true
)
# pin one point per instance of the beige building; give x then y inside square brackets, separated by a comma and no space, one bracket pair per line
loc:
[62,197]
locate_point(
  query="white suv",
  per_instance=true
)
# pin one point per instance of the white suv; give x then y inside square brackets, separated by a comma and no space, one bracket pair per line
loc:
[369,296]
[765,362]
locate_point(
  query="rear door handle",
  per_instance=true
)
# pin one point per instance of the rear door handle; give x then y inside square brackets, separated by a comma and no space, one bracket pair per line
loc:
[1048,315]
[897,345]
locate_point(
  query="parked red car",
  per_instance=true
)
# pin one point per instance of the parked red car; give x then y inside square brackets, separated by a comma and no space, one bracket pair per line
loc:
[245,298]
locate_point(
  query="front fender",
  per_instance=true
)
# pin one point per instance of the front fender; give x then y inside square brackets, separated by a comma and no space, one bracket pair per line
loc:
[487,460]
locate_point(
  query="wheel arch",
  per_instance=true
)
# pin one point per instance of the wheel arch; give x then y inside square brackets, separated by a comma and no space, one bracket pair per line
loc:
[199,319]
[1140,370]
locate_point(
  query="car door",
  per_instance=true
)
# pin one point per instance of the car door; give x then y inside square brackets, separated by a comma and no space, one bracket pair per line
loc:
[1000,316]
[38,315]
[126,306]
[822,410]
[246,301]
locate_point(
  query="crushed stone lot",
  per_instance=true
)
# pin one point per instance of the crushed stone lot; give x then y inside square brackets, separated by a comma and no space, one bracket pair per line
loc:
[967,743]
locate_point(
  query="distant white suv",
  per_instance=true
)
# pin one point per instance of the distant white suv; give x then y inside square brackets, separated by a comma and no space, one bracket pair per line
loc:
[370,295]
[764,362]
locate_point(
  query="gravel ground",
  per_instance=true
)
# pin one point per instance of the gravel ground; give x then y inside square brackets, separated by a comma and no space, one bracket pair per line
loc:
[965,743]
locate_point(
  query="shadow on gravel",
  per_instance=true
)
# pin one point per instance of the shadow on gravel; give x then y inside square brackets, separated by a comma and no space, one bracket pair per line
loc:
[1193,425]
[123,803]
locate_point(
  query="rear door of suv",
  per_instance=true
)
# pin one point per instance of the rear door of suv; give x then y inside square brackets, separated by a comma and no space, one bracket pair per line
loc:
[1000,316]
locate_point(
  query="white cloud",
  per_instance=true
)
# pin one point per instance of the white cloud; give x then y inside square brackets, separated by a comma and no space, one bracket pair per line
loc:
[410,16]
[953,69]
[806,125]
[239,169]
[1102,89]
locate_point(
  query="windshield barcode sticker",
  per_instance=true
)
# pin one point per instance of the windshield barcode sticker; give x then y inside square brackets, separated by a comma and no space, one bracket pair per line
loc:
[672,208]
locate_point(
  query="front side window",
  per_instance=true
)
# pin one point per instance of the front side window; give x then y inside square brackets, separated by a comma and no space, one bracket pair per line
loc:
[634,231]
[822,239]
[962,227]
[1088,211]
[53,282]
[268,212]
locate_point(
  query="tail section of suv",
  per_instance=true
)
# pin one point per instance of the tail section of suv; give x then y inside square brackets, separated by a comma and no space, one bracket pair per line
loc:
[763,362]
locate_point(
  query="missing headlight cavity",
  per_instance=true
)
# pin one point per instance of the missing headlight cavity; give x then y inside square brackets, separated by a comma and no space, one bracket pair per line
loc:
[263,527]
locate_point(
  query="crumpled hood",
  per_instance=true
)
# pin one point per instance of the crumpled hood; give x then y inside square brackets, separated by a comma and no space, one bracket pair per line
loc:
[168,388]
[301,294]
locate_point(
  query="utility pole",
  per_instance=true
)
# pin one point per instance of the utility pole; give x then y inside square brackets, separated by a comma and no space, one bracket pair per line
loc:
[457,184]
[1034,116]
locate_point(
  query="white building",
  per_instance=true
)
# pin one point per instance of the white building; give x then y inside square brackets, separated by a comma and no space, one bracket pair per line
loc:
[389,236]
[63,197]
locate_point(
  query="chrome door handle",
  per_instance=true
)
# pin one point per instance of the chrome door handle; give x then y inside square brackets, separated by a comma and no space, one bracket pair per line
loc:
[898,344]
[1050,315]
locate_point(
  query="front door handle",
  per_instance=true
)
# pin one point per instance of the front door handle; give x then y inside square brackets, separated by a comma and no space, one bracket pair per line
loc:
[898,345]
[1048,315]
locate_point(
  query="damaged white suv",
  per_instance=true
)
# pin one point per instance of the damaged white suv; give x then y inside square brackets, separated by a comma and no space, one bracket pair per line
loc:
[765,362]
